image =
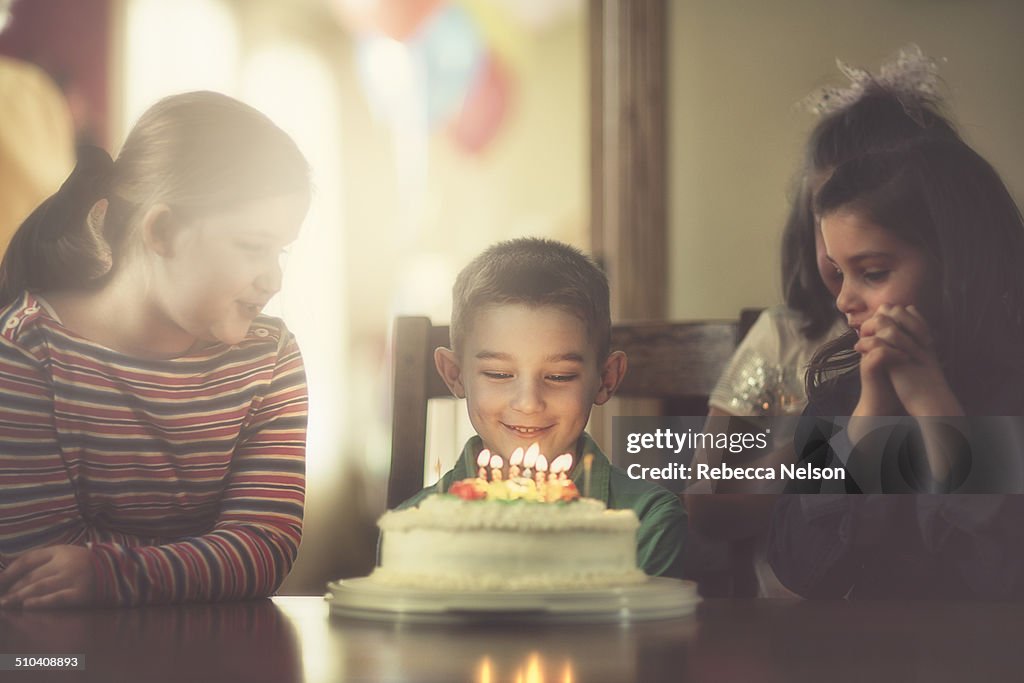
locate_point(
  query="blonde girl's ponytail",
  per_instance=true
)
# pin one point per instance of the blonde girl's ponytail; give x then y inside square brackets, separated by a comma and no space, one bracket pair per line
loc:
[60,244]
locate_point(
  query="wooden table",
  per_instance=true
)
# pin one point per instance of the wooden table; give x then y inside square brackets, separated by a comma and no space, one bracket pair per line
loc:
[295,639]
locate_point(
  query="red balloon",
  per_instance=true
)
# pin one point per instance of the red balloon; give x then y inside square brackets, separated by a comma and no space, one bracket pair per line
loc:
[485,107]
[398,19]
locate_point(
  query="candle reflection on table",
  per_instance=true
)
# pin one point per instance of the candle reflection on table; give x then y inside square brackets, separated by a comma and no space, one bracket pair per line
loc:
[512,652]
[535,670]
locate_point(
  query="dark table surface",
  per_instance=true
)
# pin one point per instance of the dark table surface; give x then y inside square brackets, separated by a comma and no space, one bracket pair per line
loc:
[296,639]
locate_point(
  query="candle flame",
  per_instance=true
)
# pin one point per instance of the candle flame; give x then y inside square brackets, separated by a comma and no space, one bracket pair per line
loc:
[531,454]
[496,462]
[562,463]
[517,456]
[484,458]
[541,464]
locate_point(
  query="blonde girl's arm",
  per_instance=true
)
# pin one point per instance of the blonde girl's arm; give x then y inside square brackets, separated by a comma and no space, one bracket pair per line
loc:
[252,545]
[38,503]
[42,529]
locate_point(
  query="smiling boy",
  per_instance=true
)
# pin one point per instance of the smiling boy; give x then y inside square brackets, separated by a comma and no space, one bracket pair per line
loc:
[531,354]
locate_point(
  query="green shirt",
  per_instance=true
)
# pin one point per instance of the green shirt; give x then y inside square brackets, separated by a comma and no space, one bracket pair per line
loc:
[662,531]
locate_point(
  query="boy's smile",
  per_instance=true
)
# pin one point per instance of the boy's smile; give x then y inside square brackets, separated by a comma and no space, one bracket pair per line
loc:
[529,374]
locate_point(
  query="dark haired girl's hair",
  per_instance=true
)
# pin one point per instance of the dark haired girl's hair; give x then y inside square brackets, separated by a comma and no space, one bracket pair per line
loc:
[939,195]
[195,152]
[880,119]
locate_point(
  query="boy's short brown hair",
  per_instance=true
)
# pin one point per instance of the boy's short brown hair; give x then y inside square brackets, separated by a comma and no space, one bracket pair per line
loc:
[535,272]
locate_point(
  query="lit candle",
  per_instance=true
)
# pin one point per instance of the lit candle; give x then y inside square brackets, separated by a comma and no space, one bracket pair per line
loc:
[514,461]
[542,468]
[496,464]
[482,461]
[553,469]
[530,459]
[561,466]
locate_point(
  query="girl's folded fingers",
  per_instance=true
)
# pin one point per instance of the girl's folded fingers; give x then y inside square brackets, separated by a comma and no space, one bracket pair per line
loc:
[912,323]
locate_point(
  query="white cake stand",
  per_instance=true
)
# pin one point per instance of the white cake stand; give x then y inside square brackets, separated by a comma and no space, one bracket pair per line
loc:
[656,598]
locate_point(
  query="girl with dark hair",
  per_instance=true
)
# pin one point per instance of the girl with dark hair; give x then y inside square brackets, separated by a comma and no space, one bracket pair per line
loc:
[766,375]
[152,436]
[928,243]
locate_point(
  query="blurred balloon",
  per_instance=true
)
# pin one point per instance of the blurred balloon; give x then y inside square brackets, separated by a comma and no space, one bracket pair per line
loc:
[504,35]
[398,19]
[450,53]
[485,108]
[390,79]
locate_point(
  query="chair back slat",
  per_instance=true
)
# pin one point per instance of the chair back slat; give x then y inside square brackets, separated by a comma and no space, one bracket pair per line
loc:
[673,360]
[410,373]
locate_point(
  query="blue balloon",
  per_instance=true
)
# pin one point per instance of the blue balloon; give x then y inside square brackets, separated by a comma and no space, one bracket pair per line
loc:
[450,54]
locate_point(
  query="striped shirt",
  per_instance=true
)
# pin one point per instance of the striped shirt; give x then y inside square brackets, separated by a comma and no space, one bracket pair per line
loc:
[184,477]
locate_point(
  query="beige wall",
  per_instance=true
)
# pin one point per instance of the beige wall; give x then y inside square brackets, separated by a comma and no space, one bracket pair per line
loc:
[736,69]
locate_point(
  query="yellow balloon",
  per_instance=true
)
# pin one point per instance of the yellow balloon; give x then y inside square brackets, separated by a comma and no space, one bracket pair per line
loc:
[502,34]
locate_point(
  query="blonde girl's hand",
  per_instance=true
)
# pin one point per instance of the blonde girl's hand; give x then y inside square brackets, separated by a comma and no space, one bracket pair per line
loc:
[898,341]
[59,576]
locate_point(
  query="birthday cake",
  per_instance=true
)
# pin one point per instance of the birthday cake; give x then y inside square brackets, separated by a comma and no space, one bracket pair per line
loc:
[508,535]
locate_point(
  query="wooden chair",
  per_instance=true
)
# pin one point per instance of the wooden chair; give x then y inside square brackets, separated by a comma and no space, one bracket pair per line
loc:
[676,362]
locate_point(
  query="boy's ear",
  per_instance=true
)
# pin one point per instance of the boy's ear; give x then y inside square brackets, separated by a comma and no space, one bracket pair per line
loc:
[612,372]
[451,372]
[159,229]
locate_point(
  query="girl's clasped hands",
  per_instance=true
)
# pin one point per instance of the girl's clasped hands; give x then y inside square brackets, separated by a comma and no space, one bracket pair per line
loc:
[900,369]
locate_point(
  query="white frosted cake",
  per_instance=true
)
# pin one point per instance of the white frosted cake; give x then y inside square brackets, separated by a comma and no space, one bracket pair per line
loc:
[456,544]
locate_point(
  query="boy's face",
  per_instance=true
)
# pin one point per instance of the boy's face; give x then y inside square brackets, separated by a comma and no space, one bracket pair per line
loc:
[529,374]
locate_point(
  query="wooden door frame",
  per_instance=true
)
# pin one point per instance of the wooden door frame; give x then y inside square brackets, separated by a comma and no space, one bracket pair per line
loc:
[627,43]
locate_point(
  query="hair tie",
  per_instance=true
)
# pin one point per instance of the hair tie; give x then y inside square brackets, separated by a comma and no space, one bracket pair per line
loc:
[912,77]
[88,183]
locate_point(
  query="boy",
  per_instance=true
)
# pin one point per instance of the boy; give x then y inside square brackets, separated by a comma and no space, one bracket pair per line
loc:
[531,336]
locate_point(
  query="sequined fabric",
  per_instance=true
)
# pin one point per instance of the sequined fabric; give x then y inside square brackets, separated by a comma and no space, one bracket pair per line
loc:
[759,387]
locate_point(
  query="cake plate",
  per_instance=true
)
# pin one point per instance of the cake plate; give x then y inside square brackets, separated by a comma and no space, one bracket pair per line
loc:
[656,598]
